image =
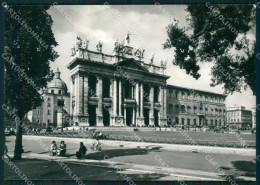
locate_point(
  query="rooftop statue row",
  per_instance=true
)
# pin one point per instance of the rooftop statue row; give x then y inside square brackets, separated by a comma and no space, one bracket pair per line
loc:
[121,50]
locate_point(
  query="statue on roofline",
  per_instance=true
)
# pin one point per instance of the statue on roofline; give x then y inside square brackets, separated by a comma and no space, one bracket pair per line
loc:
[99,46]
[78,43]
[152,59]
[86,43]
[116,46]
[127,38]
[73,51]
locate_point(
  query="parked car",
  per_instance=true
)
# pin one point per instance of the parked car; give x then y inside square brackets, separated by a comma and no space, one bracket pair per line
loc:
[49,129]
[9,131]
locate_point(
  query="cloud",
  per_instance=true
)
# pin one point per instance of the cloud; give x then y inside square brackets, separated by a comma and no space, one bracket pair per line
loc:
[149,24]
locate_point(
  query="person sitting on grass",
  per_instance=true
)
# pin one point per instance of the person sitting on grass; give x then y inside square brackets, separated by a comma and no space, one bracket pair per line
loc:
[62,149]
[82,151]
[53,148]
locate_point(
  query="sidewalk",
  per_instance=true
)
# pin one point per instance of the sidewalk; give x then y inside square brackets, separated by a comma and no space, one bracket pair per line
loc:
[168,147]
[130,168]
[168,173]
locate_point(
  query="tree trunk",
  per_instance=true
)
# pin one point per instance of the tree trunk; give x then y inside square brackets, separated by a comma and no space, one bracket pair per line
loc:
[18,141]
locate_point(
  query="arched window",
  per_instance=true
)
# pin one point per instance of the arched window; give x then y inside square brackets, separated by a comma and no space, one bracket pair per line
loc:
[183,95]
[183,109]
[188,109]
[176,94]
[170,108]
[182,121]
[195,109]
[177,108]
[188,121]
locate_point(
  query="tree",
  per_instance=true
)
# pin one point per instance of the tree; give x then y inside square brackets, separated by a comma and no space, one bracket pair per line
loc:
[217,34]
[29,43]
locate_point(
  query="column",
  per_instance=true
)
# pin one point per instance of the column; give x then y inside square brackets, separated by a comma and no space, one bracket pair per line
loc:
[137,99]
[71,95]
[164,101]
[124,116]
[133,120]
[100,98]
[120,98]
[111,112]
[141,101]
[85,100]
[164,104]
[76,95]
[160,109]
[114,100]
[152,105]
[80,95]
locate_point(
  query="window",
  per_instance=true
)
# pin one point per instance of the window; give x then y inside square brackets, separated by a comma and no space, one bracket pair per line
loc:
[206,122]
[52,91]
[182,121]
[183,96]
[48,105]
[49,121]
[38,111]
[170,92]
[188,109]
[216,122]
[183,109]
[188,121]
[38,121]
[195,121]
[176,94]
[170,108]
[211,122]
[49,112]
[48,99]
[59,91]
[195,109]
[177,108]
[177,120]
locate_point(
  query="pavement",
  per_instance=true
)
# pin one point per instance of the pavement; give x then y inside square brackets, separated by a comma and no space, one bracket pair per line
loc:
[142,161]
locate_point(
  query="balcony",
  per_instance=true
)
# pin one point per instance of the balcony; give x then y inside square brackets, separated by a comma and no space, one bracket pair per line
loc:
[147,104]
[131,101]
[93,100]
[157,105]
[107,100]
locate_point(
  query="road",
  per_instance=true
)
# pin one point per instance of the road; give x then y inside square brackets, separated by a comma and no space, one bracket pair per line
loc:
[136,163]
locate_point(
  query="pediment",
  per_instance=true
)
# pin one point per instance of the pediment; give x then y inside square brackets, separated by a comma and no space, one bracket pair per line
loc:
[132,64]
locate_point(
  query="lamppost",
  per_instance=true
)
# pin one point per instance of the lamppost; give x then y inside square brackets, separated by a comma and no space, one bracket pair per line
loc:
[61,105]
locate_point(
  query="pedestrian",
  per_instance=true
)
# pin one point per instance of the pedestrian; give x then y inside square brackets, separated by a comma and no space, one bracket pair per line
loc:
[6,151]
[82,151]
[62,149]
[53,148]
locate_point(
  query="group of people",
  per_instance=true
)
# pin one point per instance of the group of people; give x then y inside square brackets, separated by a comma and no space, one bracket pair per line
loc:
[61,151]
[58,151]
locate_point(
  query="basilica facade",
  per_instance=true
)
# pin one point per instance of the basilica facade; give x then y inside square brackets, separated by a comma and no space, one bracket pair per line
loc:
[118,89]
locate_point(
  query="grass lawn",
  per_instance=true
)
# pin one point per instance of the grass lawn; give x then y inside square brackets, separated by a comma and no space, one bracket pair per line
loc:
[204,138]
[174,137]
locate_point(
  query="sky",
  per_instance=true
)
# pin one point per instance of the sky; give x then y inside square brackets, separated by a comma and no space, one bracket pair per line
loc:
[147,26]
